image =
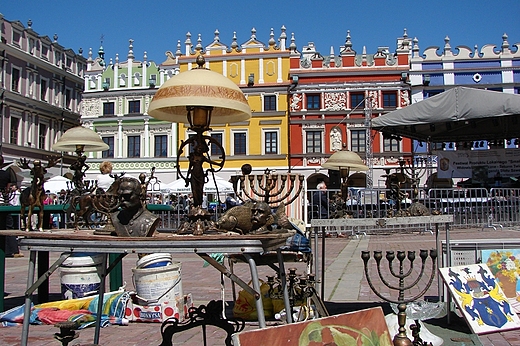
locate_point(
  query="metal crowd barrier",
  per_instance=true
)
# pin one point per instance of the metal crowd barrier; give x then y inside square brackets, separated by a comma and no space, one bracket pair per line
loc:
[471,207]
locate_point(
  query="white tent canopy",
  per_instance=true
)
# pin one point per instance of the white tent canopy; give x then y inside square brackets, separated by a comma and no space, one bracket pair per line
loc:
[459,114]
[179,186]
[56,184]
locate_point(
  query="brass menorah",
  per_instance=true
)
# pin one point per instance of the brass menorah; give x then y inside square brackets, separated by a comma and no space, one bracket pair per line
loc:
[269,187]
[106,203]
[400,339]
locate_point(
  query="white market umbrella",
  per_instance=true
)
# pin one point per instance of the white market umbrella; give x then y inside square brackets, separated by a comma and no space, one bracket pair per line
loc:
[56,184]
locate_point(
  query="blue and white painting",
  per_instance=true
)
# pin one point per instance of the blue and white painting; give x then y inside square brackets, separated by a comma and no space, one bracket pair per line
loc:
[480,298]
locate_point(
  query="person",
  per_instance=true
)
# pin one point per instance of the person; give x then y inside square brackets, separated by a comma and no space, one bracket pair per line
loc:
[48,199]
[104,179]
[204,201]
[261,218]
[231,201]
[321,201]
[7,182]
[133,220]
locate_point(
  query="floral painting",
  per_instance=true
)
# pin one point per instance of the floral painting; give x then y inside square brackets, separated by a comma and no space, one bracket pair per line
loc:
[359,328]
[480,299]
[505,265]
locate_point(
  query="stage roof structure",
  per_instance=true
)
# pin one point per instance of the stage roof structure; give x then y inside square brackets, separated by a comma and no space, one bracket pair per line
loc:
[458,114]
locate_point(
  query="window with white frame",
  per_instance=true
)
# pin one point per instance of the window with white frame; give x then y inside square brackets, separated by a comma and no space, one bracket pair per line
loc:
[239,143]
[391,144]
[358,141]
[109,140]
[134,107]
[134,146]
[161,146]
[215,149]
[271,141]
[269,103]
[314,141]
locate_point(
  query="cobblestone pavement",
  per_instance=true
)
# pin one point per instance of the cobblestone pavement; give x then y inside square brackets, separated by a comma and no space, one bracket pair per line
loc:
[345,289]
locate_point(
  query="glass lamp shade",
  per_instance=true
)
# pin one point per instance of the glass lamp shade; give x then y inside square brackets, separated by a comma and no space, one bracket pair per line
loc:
[345,159]
[80,136]
[200,88]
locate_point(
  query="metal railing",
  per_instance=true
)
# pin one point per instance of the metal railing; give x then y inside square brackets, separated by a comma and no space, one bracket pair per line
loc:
[470,207]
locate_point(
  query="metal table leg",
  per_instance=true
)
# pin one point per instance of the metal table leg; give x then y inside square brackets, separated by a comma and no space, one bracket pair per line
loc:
[100,299]
[27,307]
[283,280]
[256,287]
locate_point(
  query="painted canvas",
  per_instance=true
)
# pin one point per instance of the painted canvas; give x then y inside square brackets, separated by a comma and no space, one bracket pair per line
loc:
[505,265]
[359,328]
[480,298]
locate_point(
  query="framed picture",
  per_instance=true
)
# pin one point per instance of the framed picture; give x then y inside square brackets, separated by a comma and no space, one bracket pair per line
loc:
[505,265]
[363,327]
[480,298]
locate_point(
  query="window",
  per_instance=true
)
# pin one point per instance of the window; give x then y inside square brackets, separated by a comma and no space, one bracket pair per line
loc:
[68,98]
[389,99]
[43,89]
[108,108]
[134,146]
[161,146]
[215,149]
[45,53]
[239,143]
[110,151]
[16,38]
[269,103]
[391,145]
[134,106]
[15,124]
[31,46]
[15,80]
[313,143]
[271,142]
[313,101]
[358,141]
[357,100]
[42,136]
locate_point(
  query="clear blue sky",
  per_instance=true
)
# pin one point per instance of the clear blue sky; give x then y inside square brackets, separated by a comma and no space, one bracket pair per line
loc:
[156,26]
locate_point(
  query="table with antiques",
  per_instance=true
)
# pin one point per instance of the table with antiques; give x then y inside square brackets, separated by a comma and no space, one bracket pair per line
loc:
[70,241]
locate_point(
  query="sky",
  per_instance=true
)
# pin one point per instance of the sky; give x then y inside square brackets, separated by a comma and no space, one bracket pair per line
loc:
[156,26]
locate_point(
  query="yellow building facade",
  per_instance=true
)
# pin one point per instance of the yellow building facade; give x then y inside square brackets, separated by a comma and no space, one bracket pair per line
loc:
[261,71]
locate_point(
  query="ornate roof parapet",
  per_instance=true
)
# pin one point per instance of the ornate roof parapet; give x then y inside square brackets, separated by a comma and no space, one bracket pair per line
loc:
[283,38]
[415,48]
[447,47]
[347,54]
[488,51]
[130,49]
[187,44]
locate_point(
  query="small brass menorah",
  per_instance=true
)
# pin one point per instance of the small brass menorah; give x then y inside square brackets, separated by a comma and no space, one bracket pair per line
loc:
[400,339]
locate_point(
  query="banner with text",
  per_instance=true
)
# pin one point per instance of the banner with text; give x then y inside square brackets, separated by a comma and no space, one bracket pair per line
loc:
[478,164]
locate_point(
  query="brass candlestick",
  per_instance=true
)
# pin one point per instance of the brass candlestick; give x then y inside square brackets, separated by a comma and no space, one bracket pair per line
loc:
[400,339]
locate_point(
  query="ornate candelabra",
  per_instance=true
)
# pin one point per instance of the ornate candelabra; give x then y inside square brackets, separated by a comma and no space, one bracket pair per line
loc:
[416,169]
[268,187]
[400,339]
[301,292]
